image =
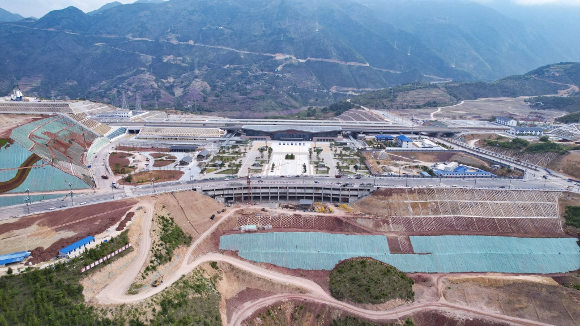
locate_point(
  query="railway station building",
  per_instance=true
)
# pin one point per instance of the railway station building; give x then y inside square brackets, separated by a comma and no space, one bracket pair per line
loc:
[292,133]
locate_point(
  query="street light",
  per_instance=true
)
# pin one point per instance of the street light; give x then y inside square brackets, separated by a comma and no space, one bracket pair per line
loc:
[191,178]
[112,192]
[27,200]
[71,194]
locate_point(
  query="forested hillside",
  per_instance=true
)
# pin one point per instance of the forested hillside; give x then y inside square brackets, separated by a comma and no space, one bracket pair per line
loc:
[253,58]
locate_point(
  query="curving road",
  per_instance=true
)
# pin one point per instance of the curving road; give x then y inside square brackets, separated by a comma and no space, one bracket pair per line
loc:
[116,291]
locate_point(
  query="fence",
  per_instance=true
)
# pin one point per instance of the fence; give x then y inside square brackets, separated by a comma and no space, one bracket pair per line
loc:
[107,257]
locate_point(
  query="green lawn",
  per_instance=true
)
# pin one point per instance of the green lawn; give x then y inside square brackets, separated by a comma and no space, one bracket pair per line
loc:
[228,171]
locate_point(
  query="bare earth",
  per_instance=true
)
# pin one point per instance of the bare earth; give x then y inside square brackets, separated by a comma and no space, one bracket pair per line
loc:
[483,109]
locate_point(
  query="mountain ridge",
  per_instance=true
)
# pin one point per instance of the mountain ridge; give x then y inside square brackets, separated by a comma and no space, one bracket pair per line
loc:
[7,17]
[232,56]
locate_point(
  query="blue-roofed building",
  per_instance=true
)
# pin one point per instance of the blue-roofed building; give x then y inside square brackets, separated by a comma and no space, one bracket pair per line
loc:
[453,170]
[13,257]
[404,141]
[424,174]
[76,247]
[384,138]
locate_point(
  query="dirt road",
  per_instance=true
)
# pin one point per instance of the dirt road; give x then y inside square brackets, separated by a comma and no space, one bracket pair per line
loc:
[441,107]
[116,291]
[247,309]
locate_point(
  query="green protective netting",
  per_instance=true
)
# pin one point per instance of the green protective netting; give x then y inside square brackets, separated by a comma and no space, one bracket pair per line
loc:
[437,254]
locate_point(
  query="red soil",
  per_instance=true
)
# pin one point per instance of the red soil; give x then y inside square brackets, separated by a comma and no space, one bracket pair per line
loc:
[159,175]
[160,163]
[84,221]
[116,158]
[126,220]
[160,155]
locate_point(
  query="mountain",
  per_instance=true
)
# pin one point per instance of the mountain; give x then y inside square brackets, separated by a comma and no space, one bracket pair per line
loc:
[149,1]
[471,36]
[252,58]
[546,80]
[6,16]
[105,7]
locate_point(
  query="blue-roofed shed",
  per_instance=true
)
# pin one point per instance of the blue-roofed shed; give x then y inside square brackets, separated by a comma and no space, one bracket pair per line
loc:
[75,246]
[424,174]
[461,169]
[13,257]
[404,138]
[384,137]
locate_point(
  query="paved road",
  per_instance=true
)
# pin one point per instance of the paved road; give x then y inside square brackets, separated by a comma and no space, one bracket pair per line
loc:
[108,194]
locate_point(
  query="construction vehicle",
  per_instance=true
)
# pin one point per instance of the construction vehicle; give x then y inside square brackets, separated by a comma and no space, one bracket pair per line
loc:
[157,282]
[346,208]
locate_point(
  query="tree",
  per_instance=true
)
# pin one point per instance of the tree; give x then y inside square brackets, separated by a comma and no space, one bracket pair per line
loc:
[327,169]
[117,167]
[310,154]
[304,168]
[270,150]
[355,168]
[318,151]
[129,178]
[544,138]
[9,272]
[261,150]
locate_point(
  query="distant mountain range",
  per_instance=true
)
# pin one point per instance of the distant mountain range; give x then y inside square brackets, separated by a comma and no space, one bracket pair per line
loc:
[6,16]
[258,57]
[546,80]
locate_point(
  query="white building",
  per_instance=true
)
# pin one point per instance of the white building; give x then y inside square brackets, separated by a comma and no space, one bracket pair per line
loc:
[117,114]
[404,141]
[506,121]
[526,131]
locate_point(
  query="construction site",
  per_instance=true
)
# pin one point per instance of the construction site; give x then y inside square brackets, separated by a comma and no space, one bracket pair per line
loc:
[263,249]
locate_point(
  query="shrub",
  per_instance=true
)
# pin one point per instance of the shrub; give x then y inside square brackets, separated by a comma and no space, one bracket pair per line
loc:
[572,216]
[366,280]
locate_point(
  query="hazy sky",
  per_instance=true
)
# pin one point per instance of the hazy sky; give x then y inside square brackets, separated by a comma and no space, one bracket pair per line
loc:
[38,8]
